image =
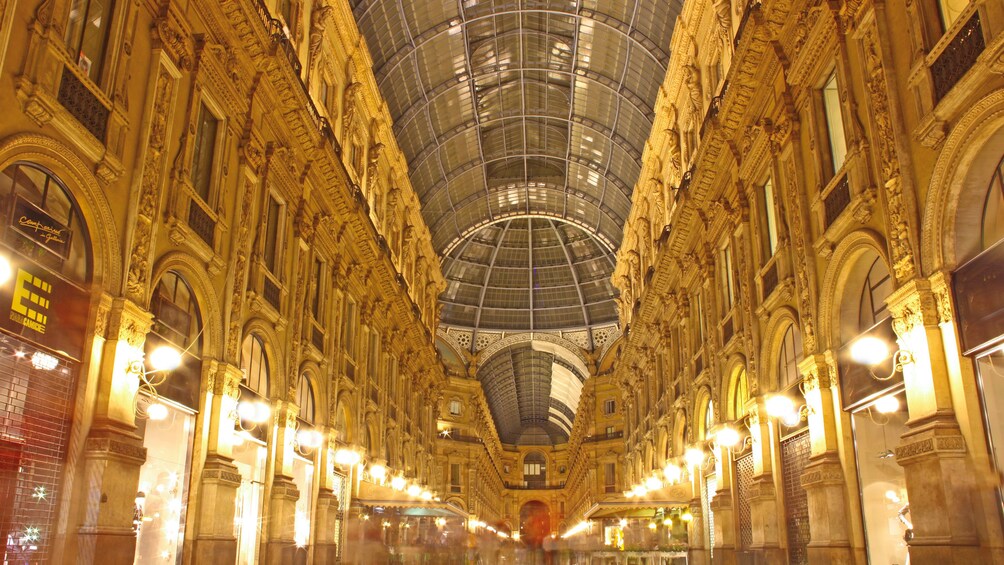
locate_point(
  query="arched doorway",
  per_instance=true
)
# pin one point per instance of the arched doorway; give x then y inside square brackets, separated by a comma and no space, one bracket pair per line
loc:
[534,523]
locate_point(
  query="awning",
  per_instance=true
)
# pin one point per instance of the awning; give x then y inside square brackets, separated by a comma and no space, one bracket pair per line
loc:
[620,507]
[371,494]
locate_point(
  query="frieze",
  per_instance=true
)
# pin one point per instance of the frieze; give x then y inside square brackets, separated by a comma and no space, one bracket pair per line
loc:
[96,446]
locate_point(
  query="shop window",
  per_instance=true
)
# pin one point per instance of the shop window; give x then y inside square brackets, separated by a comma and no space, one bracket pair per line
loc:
[176,321]
[993,209]
[834,123]
[876,288]
[274,221]
[87,34]
[30,191]
[454,407]
[254,363]
[305,399]
[789,357]
[203,160]
[768,232]
[739,395]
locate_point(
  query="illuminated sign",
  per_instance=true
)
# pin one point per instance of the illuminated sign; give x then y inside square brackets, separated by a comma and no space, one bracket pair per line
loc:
[43,307]
[32,222]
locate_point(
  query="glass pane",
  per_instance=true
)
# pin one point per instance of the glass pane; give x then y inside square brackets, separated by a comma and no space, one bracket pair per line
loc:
[993,209]
[770,219]
[951,10]
[883,483]
[303,477]
[249,457]
[163,486]
[834,123]
[87,33]
[205,146]
[272,227]
[991,371]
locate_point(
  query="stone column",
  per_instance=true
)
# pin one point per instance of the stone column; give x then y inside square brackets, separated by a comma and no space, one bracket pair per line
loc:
[939,474]
[214,526]
[723,508]
[823,478]
[764,508]
[113,451]
[326,516]
[281,505]
[698,553]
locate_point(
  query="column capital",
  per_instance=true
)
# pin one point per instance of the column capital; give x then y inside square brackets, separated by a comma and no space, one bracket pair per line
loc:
[912,305]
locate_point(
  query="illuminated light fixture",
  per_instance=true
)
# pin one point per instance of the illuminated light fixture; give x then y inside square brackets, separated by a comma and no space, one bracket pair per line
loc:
[694,456]
[687,517]
[440,522]
[871,351]
[727,437]
[398,483]
[887,404]
[43,361]
[667,522]
[6,270]
[673,472]
[255,412]
[578,528]
[156,411]
[309,439]
[19,354]
[780,406]
[346,457]
[652,525]
[640,491]
[414,491]
[378,472]
[426,495]
[515,536]
[165,358]
[622,523]
[653,483]
[629,494]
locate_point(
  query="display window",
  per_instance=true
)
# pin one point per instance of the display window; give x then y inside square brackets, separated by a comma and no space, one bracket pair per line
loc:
[303,478]
[249,457]
[162,499]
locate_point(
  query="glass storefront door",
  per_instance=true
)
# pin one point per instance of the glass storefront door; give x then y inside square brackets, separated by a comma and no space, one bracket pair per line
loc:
[303,478]
[162,500]
[883,483]
[249,457]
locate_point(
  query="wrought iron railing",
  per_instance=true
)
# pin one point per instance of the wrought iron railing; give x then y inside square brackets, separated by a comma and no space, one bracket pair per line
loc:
[83,105]
[769,280]
[713,108]
[317,338]
[603,437]
[201,222]
[270,291]
[534,485]
[836,201]
[747,11]
[958,57]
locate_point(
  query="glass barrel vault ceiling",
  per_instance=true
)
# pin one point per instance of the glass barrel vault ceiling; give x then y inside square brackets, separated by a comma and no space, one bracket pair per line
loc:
[523,123]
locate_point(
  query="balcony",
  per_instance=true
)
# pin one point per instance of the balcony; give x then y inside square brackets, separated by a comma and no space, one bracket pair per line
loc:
[534,485]
[958,56]
[619,434]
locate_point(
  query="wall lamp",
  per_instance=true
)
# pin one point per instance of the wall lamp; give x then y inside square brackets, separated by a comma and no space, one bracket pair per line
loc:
[163,359]
[872,351]
[730,438]
[783,408]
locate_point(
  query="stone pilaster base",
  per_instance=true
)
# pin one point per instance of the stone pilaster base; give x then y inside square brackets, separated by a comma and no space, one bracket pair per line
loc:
[280,548]
[766,547]
[325,554]
[698,557]
[829,524]
[112,460]
[939,483]
[214,535]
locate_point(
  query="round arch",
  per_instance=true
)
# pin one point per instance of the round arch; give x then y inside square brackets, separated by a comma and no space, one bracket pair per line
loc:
[737,393]
[63,162]
[770,347]
[703,402]
[195,275]
[679,433]
[839,275]
[343,421]
[960,177]
[277,386]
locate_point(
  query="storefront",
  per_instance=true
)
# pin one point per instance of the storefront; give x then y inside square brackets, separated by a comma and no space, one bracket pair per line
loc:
[872,392]
[166,420]
[45,268]
[249,450]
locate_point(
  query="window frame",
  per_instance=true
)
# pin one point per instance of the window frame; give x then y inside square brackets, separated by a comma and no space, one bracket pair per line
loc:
[769,234]
[75,49]
[273,262]
[830,100]
[207,105]
[260,355]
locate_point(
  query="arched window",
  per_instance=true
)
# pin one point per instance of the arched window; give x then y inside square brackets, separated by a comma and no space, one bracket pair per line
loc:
[341,422]
[30,192]
[254,363]
[707,419]
[177,322]
[305,399]
[789,356]
[993,209]
[739,395]
[876,288]
[535,469]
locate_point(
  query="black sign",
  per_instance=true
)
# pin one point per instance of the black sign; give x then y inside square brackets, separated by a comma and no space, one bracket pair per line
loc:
[860,384]
[32,222]
[979,297]
[41,307]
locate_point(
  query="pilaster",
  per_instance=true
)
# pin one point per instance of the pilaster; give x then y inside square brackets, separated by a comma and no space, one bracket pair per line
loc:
[764,506]
[933,453]
[281,507]
[698,553]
